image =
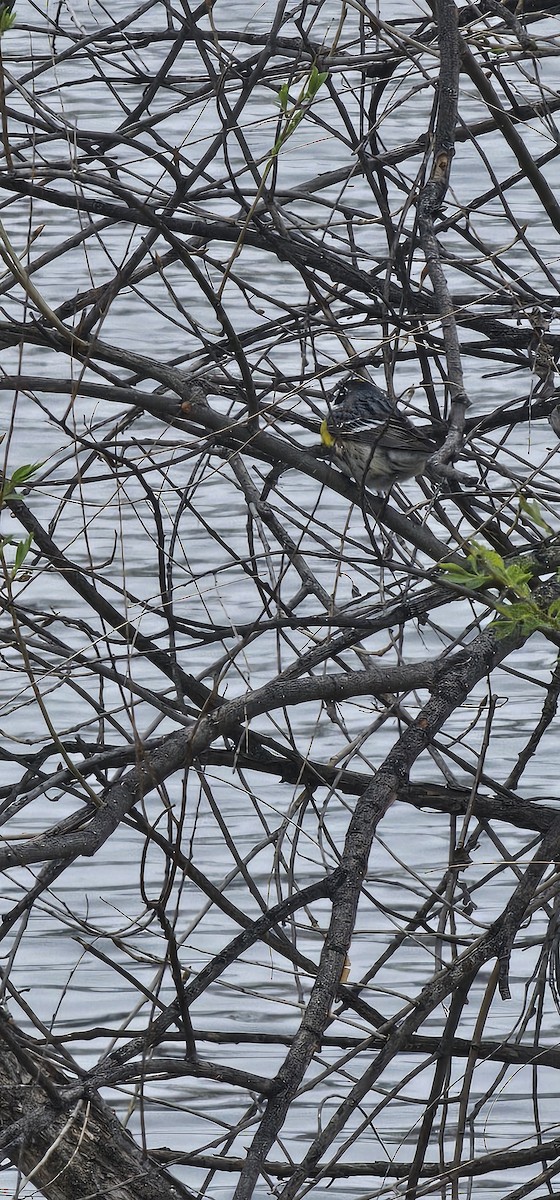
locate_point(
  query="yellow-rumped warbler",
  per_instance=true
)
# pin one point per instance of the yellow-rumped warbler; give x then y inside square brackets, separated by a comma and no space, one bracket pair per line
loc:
[375,442]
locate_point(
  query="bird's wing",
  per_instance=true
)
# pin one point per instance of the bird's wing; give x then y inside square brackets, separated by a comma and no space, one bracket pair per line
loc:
[397,432]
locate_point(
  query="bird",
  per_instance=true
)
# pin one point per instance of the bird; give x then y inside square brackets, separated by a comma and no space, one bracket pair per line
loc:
[376,443]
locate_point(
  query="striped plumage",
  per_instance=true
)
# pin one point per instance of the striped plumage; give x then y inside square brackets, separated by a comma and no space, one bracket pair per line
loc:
[375,442]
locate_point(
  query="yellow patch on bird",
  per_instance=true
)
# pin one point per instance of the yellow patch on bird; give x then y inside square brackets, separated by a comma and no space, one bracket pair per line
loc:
[326,437]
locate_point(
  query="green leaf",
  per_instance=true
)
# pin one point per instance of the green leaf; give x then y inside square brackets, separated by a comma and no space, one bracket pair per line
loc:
[297,117]
[516,578]
[16,479]
[527,617]
[284,97]
[22,551]
[23,473]
[533,511]
[518,618]
[466,577]
[486,568]
[315,81]
[309,90]
[493,561]
[7,20]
